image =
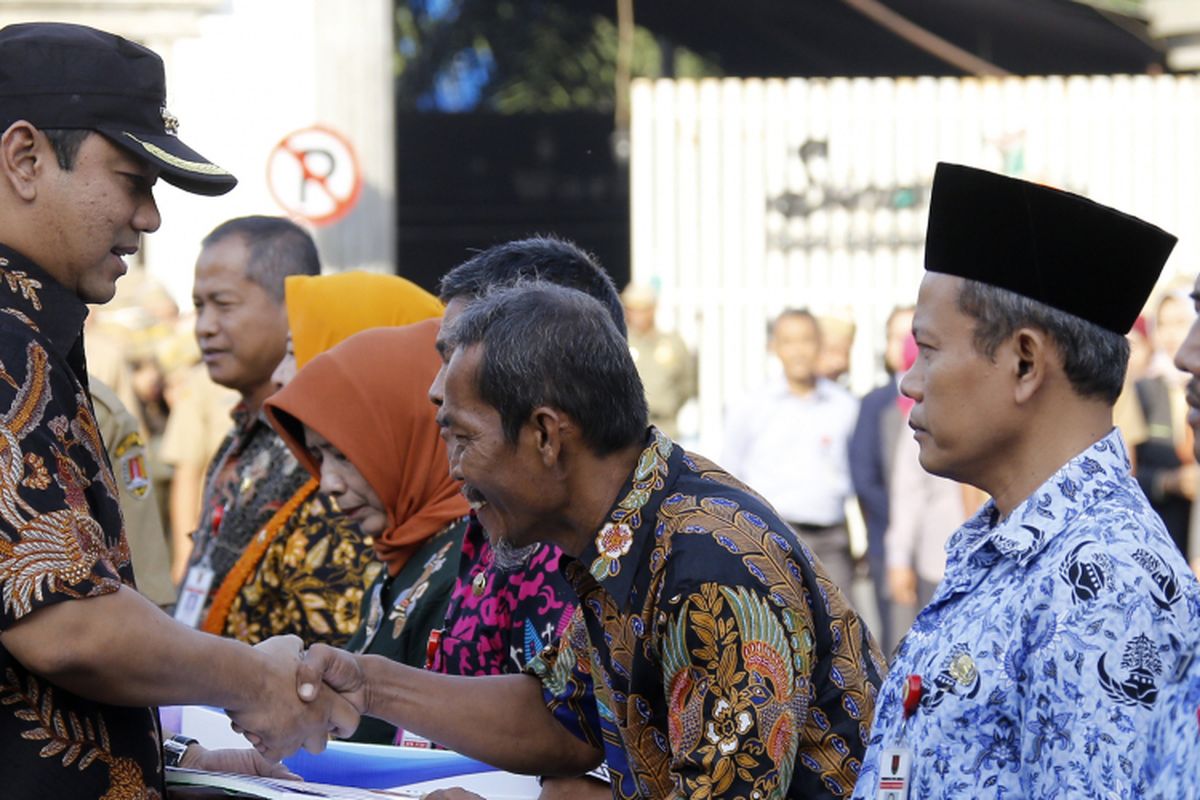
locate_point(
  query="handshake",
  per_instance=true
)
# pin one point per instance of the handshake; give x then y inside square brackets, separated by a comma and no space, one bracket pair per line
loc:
[306,697]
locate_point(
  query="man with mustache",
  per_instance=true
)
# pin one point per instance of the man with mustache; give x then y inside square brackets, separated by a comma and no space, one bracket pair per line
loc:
[508,603]
[711,655]
[1035,669]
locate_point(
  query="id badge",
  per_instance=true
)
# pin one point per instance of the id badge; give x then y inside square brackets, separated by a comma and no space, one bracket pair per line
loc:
[895,770]
[195,591]
[409,739]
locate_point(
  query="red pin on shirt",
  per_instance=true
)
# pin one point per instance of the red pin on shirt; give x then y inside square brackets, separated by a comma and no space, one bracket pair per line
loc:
[911,698]
[217,516]
[431,647]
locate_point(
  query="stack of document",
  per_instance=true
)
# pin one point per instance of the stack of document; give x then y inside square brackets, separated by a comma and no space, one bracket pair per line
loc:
[225,784]
[384,770]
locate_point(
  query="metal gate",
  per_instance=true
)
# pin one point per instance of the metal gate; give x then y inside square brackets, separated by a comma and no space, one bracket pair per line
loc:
[749,196]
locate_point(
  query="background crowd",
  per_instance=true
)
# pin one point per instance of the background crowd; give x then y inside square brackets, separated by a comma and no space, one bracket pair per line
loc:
[843,470]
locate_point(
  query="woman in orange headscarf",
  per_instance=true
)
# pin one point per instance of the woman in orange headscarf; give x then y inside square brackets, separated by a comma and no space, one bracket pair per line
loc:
[358,418]
[311,581]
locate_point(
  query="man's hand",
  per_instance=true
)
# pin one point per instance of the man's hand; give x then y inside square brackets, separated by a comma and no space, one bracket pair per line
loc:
[581,788]
[278,723]
[902,585]
[337,669]
[243,761]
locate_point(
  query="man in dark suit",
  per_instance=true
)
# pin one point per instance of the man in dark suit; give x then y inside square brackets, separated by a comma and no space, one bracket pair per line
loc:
[872,447]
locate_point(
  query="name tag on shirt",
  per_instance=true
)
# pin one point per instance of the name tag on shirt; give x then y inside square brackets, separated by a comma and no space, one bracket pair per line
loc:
[195,591]
[409,739]
[895,768]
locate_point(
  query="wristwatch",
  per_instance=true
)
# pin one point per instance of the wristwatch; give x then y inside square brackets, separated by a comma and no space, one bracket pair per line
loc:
[174,748]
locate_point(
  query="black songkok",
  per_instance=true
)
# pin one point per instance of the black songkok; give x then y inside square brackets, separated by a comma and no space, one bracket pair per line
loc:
[1066,251]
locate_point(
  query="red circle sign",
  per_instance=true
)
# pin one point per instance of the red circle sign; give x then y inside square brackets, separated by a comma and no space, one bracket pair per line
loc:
[313,174]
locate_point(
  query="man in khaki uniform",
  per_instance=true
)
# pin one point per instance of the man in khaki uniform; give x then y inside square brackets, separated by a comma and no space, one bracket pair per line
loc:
[664,363]
[127,452]
[195,429]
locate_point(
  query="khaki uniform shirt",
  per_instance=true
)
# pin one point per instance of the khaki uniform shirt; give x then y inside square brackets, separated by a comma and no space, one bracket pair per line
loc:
[668,372]
[143,521]
[199,419]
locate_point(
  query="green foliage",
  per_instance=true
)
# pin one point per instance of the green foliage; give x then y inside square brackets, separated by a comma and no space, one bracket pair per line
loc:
[546,56]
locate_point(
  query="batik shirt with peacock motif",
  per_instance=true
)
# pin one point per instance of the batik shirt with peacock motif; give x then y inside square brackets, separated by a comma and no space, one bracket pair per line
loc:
[1045,651]
[724,662]
[61,540]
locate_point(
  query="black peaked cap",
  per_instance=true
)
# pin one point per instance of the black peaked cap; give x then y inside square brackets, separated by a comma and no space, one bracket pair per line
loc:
[58,75]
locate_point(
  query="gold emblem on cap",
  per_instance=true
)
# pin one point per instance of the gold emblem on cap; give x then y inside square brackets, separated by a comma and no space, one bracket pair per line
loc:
[170,121]
[199,167]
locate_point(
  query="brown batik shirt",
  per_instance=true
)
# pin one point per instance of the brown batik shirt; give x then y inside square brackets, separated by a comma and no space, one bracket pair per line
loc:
[711,656]
[61,540]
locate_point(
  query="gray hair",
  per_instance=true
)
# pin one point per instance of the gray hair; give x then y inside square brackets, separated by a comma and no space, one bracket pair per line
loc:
[278,248]
[1094,358]
[546,345]
[538,258]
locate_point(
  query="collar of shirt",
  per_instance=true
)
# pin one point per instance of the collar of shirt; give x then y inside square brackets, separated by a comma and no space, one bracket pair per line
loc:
[982,541]
[57,313]
[616,554]
[245,423]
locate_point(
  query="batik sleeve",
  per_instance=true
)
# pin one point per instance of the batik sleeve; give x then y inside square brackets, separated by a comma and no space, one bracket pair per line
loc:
[564,670]
[53,476]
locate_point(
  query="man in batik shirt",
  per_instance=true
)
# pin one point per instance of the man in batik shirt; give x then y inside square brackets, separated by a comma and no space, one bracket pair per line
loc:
[506,607]
[1035,671]
[723,661]
[255,492]
[84,135]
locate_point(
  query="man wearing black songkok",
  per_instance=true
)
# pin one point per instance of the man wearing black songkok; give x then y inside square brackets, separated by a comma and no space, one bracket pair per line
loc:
[1035,670]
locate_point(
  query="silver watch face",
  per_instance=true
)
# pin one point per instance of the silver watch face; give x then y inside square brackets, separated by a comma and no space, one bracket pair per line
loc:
[173,752]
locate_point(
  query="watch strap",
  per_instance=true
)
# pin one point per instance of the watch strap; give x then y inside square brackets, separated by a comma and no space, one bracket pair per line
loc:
[174,748]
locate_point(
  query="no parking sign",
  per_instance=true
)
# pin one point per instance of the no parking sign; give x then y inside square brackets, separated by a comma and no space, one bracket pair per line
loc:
[313,173]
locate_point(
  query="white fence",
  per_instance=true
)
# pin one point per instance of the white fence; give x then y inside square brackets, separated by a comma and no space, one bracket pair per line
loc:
[749,196]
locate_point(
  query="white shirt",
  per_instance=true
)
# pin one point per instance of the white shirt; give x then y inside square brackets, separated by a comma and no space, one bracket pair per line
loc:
[793,450]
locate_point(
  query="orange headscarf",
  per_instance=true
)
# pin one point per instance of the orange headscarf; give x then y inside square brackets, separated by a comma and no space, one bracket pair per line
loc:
[367,396]
[325,309]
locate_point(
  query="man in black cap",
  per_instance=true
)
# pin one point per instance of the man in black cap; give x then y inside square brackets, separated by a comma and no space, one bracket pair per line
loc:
[84,134]
[1035,669]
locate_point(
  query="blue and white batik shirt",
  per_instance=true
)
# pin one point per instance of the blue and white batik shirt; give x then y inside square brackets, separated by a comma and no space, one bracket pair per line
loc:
[1044,649]
[1173,764]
